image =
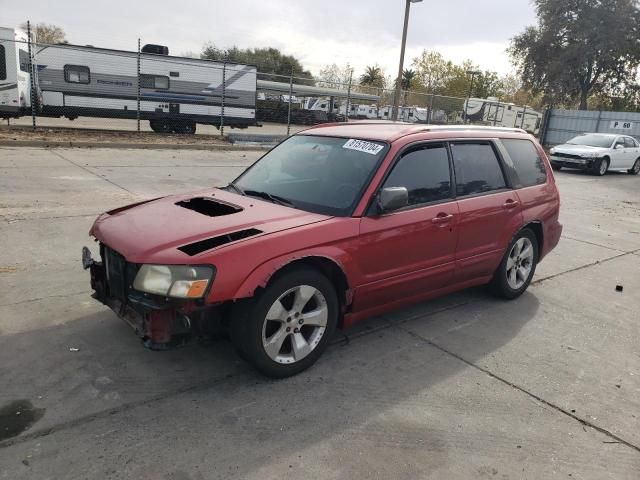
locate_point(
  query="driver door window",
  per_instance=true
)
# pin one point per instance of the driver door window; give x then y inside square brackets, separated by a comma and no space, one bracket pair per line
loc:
[424,172]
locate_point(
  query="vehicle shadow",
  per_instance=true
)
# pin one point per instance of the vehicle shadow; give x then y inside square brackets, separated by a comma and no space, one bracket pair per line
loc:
[383,362]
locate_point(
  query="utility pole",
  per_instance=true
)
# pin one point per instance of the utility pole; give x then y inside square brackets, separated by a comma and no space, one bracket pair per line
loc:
[396,97]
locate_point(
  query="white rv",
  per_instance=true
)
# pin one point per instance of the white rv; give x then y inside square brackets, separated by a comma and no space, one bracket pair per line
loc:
[360,111]
[493,112]
[15,79]
[175,93]
[407,114]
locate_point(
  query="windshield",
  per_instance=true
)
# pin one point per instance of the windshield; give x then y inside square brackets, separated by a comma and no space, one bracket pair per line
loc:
[319,174]
[592,141]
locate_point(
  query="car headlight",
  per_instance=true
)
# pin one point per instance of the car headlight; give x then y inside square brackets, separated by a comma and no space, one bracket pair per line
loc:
[589,155]
[552,151]
[179,281]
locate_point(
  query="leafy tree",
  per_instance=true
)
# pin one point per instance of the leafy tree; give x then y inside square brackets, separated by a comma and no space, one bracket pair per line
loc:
[433,71]
[271,62]
[487,84]
[45,33]
[372,77]
[334,76]
[579,48]
[408,79]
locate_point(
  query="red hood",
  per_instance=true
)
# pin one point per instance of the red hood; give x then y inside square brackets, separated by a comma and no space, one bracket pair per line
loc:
[150,232]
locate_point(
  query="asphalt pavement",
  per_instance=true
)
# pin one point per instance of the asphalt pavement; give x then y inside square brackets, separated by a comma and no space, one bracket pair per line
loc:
[465,386]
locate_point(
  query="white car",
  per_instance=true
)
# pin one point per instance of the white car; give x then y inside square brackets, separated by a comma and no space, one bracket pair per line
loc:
[598,153]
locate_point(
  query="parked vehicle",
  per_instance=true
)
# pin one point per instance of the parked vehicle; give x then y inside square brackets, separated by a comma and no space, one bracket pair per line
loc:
[175,93]
[598,153]
[15,78]
[334,225]
[493,112]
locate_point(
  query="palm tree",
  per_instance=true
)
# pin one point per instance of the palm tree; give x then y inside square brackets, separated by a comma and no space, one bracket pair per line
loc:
[408,77]
[372,76]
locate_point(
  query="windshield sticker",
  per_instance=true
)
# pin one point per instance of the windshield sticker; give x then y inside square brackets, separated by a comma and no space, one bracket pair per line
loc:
[362,146]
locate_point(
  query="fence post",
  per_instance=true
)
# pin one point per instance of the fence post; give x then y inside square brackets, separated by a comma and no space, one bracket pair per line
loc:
[598,122]
[32,75]
[224,81]
[545,126]
[289,109]
[346,119]
[430,109]
[524,114]
[138,88]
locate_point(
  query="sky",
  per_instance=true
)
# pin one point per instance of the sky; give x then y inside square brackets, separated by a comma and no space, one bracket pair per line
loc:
[317,32]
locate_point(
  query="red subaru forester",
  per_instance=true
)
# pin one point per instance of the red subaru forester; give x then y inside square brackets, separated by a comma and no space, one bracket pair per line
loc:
[335,224]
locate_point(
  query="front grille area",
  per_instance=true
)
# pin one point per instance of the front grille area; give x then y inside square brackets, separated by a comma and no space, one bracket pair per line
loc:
[567,155]
[119,273]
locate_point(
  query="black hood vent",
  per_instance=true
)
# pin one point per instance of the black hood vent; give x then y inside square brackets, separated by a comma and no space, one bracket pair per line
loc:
[209,206]
[213,242]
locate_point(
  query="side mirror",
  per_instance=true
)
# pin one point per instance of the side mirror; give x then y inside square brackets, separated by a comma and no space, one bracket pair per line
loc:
[392,198]
[619,146]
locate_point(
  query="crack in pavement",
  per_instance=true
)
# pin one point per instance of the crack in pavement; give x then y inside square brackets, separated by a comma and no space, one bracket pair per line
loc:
[523,390]
[582,267]
[61,295]
[594,244]
[57,154]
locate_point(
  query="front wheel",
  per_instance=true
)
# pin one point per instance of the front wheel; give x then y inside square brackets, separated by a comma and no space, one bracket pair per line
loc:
[600,166]
[518,266]
[287,327]
[636,168]
[556,166]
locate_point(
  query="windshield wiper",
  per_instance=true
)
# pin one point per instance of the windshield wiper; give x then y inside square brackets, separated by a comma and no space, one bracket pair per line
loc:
[236,188]
[270,197]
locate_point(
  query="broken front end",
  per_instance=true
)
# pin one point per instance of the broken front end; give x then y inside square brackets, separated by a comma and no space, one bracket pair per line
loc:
[164,304]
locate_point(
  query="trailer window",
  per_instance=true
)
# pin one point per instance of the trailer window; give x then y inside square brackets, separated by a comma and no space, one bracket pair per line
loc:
[154,81]
[3,64]
[77,74]
[23,56]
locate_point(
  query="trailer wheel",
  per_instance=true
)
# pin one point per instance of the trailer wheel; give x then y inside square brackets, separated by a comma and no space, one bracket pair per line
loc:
[161,126]
[186,127]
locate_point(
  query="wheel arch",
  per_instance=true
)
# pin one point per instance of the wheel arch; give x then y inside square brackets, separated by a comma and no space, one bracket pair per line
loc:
[330,266]
[536,227]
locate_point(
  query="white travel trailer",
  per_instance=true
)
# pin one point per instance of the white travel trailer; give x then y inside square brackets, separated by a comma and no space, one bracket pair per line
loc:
[493,112]
[15,79]
[406,114]
[174,93]
[360,111]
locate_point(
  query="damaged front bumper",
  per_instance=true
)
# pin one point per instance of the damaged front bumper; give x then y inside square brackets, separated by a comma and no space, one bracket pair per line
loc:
[160,322]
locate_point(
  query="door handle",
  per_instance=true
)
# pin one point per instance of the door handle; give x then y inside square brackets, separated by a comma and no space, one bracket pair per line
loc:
[509,204]
[442,218]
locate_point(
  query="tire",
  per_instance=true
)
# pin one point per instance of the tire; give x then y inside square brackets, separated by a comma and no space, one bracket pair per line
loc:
[185,127]
[503,284]
[289,331]
[600,166]
[635,169]
[557,167]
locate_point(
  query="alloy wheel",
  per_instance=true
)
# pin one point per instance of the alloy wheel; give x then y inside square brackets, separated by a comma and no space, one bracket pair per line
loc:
[295,324]
[603,167]
[519,263]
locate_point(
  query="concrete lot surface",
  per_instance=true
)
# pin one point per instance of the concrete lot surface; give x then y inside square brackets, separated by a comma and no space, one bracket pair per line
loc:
[466,386]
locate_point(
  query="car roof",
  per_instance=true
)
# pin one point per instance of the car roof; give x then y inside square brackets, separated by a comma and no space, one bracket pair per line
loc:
[388,131]
[604,134]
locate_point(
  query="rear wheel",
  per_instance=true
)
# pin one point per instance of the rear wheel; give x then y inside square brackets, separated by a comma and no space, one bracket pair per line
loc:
[160,126]
[636,168]
[518,266]
[185,127]
[286,328]
[556,166]
[600,166]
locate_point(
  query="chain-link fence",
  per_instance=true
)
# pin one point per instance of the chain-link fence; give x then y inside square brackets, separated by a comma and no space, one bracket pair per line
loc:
[146,91]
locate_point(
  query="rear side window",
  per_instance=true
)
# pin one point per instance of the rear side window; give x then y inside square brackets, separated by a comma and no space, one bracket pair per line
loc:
[23,56]
[425,174]
[629,142]
[76,74]
[529,165]
[3,63]
[477,168]
[154,81]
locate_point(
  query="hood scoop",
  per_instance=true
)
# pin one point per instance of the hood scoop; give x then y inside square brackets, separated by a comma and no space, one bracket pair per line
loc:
[203,245]
[209,207]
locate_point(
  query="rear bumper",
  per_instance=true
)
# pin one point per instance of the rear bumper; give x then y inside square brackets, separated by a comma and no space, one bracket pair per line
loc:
[551,238]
